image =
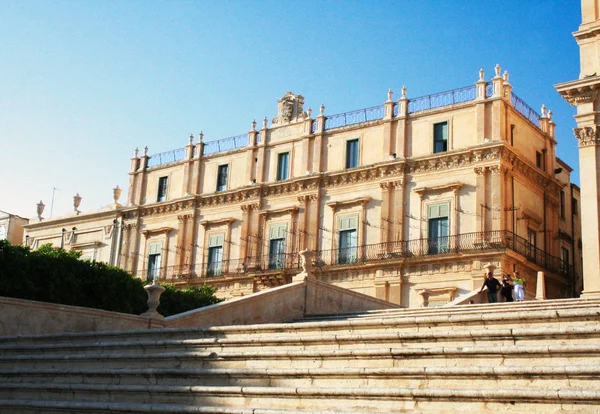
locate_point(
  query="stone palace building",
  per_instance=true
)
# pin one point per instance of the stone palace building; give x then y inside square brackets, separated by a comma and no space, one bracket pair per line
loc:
[404,201]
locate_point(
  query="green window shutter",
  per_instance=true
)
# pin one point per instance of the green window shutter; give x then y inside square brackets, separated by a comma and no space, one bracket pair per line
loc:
[277,231]
[216,240]
[155,248]
[438,210]
[347,223]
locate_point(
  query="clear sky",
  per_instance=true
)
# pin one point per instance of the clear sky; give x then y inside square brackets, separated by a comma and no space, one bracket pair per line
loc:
[83,83]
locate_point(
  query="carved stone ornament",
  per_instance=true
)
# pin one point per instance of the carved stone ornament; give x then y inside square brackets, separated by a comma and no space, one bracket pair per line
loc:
[289,109]
[587,135]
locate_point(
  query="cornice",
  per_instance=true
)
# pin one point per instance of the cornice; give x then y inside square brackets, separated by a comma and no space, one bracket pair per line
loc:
[286,210]
[160,230]
[217,222]
[579,91]
[455,186]
[334,205]
[74,219]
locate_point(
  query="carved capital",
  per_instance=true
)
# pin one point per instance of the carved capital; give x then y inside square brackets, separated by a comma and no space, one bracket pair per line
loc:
[587,135]
[498,170]
[398,184]
[480,171]
[385,186]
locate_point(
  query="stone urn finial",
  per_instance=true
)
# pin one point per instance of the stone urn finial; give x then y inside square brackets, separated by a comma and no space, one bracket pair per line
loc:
[200,137]
[505,76]
[309,111]
[145,151]
[191,139]
[404,91]
[116,194]
[497,69]
[544,111]
[254,125]
[40,209]
[322,110]
[550,115]
[390,94]
[136,152]
[76,202]
[481,74]
[265,123]
[154,291]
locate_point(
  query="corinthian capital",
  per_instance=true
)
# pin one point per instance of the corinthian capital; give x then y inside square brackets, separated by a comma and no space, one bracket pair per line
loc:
[587,135]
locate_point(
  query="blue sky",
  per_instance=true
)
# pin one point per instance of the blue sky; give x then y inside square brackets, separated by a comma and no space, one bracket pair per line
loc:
[86,82]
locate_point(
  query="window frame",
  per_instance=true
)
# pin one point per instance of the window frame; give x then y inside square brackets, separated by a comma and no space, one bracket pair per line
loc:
[226,186]
[562,205]
[445,141]
[215,268]
[279,176]
[439,244]
[355,162]
[162,189]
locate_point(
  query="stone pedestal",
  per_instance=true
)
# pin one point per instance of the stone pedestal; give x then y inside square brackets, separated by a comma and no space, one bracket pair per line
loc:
[154,291]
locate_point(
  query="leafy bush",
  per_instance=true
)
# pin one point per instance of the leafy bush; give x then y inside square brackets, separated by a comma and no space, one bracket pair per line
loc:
[58,276]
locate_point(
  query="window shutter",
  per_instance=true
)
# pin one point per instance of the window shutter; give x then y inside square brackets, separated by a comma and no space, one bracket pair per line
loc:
[348,223]
[216,240]
[438,210]
[277,231]
[155,248]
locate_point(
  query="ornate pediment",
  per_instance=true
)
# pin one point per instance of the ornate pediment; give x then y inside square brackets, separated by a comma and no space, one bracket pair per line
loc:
[290,109]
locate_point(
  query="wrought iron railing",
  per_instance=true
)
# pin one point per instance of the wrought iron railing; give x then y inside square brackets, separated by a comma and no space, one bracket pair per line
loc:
[462,243]
[354,117]
[489,89]
[525,110]
[166,157]
[409,249]
[442,99]
[226,144]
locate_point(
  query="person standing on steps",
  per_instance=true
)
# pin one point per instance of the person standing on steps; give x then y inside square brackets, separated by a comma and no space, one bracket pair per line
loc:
[492,287]
[518,286]
[507,289]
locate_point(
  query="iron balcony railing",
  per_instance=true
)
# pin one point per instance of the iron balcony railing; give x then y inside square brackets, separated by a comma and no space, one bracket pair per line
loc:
[439,100]
[166,157]
[525,110]
[354,117]
[463,243]
[226,144]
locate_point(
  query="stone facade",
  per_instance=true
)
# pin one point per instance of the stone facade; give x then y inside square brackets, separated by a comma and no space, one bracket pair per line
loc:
[583,93]
[404,201]
[11,227]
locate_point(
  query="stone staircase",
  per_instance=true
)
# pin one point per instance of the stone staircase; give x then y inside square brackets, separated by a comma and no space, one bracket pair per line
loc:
[520,357]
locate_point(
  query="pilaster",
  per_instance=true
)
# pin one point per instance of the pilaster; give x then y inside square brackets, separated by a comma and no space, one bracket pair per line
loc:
[480,196]
[385,221]
[199,164]
[480,89]
[251,151]
[318,143]
[400,146]
[398,210]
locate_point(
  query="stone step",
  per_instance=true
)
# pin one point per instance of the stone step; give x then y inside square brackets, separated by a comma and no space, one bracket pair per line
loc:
[519,377]
[292,341]
[442,322]
[462,309]
[511,355]
[314,398]
[77,407]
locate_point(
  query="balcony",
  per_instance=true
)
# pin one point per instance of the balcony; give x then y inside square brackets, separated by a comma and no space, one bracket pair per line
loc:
[467,243]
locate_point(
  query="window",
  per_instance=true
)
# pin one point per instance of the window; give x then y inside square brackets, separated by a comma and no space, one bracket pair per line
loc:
[437,218]
[222,177]
[532,239]
[277,246]
[564,255]
[574,207]
[214,263]
[162,189]
[562,204]
[2,232]
[154,260]
[348,239]
[282,166]
[352,153]
[440,137]
[540,160]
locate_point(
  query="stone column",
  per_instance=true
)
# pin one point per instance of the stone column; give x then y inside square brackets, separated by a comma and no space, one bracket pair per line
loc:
[251,153]
[398,210]
[480,199]
[385,222]
[589,162]
[133,179]
[199,165]
[401,126]
[318,144]
[388,114]
[188,168]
